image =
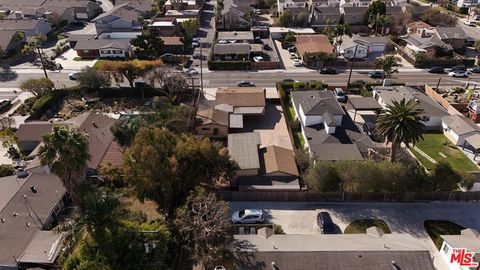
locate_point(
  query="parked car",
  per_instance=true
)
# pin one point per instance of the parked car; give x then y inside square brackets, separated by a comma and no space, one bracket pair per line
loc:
[324,221]
[5,104]
[73,76]
[258,59]
[191,71]
[292,49]
[458,73]
[267,47]
[459,67]
[245,84]
[248,216]
[475,69]
[296,62]
[437,70]
[470,23]
[293,56]
[195,42]
[222,42]
[328,71]
[289,80]
[340,94]
[375,74]
[369,129]
[258,40]
[469,41]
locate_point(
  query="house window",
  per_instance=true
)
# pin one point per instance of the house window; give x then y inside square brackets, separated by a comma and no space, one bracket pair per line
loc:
[445,248]
[106,51]
[86,51]
[349,51]
[215,131]
[205,128]
[117,51]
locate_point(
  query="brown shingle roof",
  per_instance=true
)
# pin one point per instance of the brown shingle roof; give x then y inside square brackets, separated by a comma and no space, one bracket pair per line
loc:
[313,44]
[113,156]
[172,41]
[208,114]
[241,96]
[33,131]
[18,24]
[279,159]
[6,37]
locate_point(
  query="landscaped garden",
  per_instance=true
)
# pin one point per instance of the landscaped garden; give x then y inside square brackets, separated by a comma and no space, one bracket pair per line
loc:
[438,147]
[436,228]
[361,226]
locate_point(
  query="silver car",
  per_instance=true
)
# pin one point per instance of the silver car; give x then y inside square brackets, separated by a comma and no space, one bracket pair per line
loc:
[248,216]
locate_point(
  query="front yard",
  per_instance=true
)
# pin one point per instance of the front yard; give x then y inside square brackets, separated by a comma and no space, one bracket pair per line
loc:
[435,228]
[361,226]
[435,145]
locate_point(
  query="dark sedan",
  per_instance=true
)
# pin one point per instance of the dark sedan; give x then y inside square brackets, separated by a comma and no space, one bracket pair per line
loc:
[328,71]
[437,70]
[376,74]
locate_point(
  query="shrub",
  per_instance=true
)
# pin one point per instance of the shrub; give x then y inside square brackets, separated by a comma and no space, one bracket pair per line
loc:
[6,170]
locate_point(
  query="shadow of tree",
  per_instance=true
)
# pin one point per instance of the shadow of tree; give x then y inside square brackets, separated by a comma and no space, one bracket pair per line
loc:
[7,74]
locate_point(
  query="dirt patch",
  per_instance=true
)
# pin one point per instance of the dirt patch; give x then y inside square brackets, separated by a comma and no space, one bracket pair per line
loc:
[148,207]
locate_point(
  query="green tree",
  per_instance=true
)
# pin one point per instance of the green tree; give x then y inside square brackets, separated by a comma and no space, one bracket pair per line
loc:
[286,19]
[203,221]
[33,46]
[328,30]
[400,123]
[444,177]
[436,17]
[37,87]
[375,7]
[8,137]
[65,151]
[387,64]
[420,56]
[149,44]
[317,59]
[131,70]
[341,30]
[92,79]
[190,28]
[301,20]
[323,176]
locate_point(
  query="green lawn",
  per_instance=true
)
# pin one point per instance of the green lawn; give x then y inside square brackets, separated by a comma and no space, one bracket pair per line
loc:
[298,138]
[425,162]
[290,111]
[435,228]
[361,226]
[99,63]
[433,145]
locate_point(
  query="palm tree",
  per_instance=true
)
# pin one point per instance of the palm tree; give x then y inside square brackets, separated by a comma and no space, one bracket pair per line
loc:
[328,27]
[383,21]
[387,64]
[33,46]
[400,123]
[250,17]
[65,151]
[341,30]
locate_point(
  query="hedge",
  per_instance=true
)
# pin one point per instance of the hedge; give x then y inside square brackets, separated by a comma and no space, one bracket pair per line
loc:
[229,65]
[6,170]
[48,101]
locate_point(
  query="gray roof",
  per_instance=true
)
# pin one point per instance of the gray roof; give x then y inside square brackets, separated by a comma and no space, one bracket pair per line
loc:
[450,32]
[9,186]
[354,10]
[460,124]
[419,42]
[20,24]
[371,39]
[232,48]
[394,10]
[243,149]
[33,131]
[364,103]
[49,241]
[429,106]
[236,121]
[15,235]
[317,102]
[124,11]
[327,10]
[97,44]
[469,239]
[6,37]
[235,35]
[474,141]
[336,151]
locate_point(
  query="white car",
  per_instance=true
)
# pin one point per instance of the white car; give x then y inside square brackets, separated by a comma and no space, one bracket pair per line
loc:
[296,62]
[222,42]
[470,23]
[258,59]
[195,42]
[293,55]
[191,71]
[248,216]
[73,76]
[458,73]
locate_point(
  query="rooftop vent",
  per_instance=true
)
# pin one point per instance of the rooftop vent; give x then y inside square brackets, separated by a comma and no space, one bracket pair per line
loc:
[33,189]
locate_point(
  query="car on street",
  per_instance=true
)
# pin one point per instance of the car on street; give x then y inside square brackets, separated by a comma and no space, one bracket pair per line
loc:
[470,23]
[191,71]
[293,56]
[328,71]
[325,222]
[258,59]
[247,216]
[73,76]
[340,94]
[5,104]
[369,129]
[458,73]
[222,42]
[475,69]
[289,80]
[437,70]
[245,84]
[296,62]
[375,74]
[291,49]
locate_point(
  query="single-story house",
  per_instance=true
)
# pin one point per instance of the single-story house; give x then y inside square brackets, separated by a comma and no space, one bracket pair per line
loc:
[173,44]
[418,27]
[122,18]
[236,36]
[11,42]
[468,240]
[283,5]
[166,26]
[321,14]
[314,44]
[231,51]
[29,27]
[104,48]
[233,14]
[212,121]
[454,36]
[354,15]
[279,32]
[365,45]
[458,127]
[243,149]
[432,112]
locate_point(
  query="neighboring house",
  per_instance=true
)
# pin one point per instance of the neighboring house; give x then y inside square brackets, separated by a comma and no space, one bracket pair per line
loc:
[467,3]
[96,127]
[282,5]
[183,15]
[56,14]
[354,3]
[104,48]
[280,32]
[322,15]
[166,26]
[313,44]
[430,41]
[458,127]
[144,5]
[419,27]
[474,110]
[366,45]
[29,27]
[417,11]
[395,12]
[327,134]
[236,36]
[28,208]
[373,250]
[11,42]
[243,149]
[354,15]
[432,112]
[469,240]
[233,14]
[121,18]
[453,36]
[183,4]
[173,44]
[212,122]
[323,3]
[231,51]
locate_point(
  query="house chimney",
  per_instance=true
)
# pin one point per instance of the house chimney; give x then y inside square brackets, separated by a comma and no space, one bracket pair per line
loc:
[95,125]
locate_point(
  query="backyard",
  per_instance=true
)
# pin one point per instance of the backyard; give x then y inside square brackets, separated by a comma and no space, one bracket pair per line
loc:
[435,146]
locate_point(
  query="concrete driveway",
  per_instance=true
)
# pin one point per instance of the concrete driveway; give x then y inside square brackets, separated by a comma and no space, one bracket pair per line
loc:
[67,62]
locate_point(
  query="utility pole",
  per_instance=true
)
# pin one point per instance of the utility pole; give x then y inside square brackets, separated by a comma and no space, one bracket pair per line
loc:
[41,60]
[201,67]
[438,84]
[351,69]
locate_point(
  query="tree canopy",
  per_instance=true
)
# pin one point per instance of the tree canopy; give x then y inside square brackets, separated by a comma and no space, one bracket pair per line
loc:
[37,87]
[149,44]
[435,17]
[91,78]
[387,64]
[375,7]
[131,70]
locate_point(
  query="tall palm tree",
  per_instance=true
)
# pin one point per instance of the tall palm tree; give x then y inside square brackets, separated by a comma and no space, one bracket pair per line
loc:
[65,151]
[400,123]
[33,46]
[250,16]
[387,64]
[383,21]
[341,30]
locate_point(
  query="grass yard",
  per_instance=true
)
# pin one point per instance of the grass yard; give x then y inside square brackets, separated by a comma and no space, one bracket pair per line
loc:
[435,228]
[433,145]
[361,226]
[298,138]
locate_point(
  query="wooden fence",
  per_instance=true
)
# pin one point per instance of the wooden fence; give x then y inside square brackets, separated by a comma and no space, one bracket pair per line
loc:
[310,196]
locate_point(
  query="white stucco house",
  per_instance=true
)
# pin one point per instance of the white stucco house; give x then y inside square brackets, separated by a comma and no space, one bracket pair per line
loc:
[469,239]
[458,127]
[432,112]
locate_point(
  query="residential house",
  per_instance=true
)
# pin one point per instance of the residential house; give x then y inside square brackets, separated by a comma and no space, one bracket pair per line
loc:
[458,127]
[121,18]
[313,44]
[323,3]
[166,26]
[419,27]
[280,32]
[96,127]
[394,11]
[467,3]
[104,48]
[145,6]
[417,11]
[183,4]
[236,36]
[323,15]
[11,42]
[212,121]
[328,135]
[468,240]
[453,36]
[183,15]
[474,110]
[366,45]
[28,207]
[233,14]
[354,3]
[299,13]
[29,27]
[231,51]
[427,41]
[173,44]
[432,112]
[374,250]
[82,9]
[354,15]
[283,5]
